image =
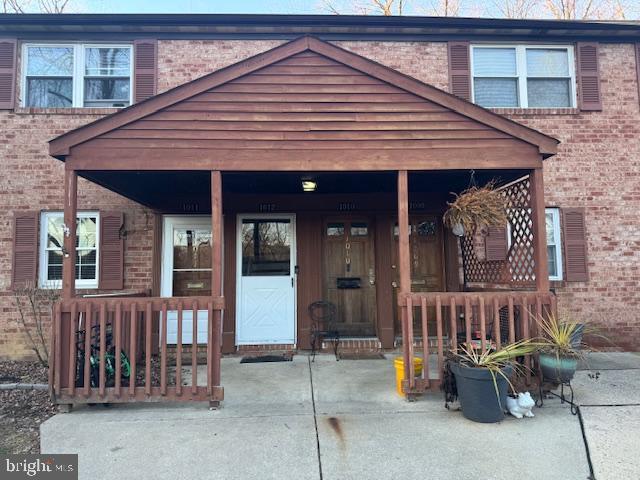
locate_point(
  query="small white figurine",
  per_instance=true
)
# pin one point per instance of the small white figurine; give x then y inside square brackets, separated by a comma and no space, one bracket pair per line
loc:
[521,406]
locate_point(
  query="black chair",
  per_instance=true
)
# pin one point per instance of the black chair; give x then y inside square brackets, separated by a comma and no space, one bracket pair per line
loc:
[323,316]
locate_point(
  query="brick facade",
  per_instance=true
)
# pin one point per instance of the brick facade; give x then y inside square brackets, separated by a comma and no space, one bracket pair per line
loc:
[597,167]
[32,180]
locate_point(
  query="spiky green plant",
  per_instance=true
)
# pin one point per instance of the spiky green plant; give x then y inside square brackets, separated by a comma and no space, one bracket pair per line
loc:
[496,360]
[559,334]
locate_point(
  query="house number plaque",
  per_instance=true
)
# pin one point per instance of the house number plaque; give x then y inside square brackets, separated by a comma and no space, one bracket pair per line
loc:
[190,207]
[346,206]
[266,207]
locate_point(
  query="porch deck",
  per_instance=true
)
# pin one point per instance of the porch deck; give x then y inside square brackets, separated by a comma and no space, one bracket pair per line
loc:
[103,350]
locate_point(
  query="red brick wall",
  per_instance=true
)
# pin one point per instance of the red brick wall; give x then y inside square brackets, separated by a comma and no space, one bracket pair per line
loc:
[598,167]
[31,180]
[184,60]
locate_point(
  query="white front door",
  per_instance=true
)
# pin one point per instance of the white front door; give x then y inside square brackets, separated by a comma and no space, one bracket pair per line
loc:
[266,287]
[186,272]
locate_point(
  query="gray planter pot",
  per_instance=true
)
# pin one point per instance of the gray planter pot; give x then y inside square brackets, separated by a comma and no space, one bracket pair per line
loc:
[557,369]
[477,393]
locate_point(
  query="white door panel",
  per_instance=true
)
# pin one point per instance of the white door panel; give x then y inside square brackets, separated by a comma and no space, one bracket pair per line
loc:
[186,271]
[266,293]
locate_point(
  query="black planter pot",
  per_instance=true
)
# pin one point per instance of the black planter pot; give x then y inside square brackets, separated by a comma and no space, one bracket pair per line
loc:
[477,393]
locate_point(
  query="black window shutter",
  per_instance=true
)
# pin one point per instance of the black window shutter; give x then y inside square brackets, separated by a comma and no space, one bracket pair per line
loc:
[575,245]
[589,77]
[25,248]
[145,69]
[7,73]
[495,244]
[460,69]
[111,253]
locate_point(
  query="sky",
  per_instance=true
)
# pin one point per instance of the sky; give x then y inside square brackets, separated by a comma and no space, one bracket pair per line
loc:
[411,7]
[202,6]
[469,8]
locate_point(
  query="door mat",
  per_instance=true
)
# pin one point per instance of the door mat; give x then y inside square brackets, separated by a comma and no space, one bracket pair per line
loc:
[267,359]
[362,356]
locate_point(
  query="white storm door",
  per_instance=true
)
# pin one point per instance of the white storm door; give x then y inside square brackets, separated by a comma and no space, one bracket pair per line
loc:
[266,289]
[186,272]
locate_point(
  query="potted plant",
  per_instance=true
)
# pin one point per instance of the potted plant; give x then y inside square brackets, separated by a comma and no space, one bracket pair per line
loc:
[482,378]
[476,208]
[560,346]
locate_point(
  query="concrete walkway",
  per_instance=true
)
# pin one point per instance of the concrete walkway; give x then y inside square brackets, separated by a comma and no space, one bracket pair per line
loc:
[609,398]
[343,420]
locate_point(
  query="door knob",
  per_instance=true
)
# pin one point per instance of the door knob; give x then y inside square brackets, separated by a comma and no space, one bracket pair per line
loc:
[394,284]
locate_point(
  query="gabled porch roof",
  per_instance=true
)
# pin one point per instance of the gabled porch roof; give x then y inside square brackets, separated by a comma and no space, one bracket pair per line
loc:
[305,105]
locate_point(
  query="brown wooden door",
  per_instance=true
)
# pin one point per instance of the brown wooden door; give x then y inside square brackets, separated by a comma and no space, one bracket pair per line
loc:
[427,268]
[349,273]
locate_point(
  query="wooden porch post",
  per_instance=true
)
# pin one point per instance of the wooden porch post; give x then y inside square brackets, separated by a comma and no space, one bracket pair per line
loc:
[69,243]
[404,270]
[216,279]
[539,230]
[61,334]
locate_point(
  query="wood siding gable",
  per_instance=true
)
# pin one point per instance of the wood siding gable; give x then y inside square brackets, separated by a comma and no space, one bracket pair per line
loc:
[310,98]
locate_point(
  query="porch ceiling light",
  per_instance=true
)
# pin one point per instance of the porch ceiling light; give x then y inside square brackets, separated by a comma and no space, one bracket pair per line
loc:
[309,185]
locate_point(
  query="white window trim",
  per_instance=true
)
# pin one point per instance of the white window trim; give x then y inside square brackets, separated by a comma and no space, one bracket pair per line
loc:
[521,71]
[555,218]
[42,274]
[78,70]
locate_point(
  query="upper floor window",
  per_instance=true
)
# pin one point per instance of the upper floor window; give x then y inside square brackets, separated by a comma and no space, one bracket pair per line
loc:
[523,76]
[74,75]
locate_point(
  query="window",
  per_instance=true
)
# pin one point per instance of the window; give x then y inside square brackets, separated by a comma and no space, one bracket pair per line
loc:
[359,229]
[523,76]
[107,76]
[51,255]
[554,246]
[266,247]
[49,80]
[554,250]
[73,75]
[335,229]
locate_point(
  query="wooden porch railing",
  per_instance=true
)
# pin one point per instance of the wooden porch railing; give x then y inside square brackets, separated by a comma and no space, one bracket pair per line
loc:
[84,325]
[488,318]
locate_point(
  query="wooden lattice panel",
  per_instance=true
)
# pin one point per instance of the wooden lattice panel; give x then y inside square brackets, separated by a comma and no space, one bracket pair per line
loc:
[519,267]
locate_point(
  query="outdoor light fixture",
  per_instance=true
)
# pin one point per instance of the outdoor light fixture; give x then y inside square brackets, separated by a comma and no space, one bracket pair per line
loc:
[309,185]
